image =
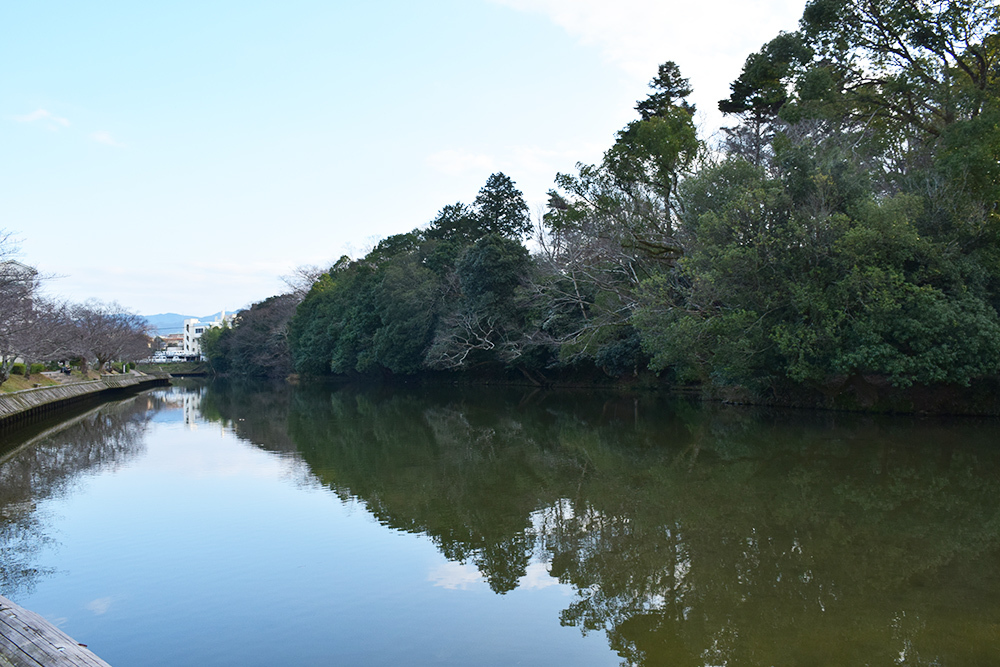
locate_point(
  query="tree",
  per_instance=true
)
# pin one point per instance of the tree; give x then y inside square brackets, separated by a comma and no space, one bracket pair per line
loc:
[500,209]
[671,90]
[651,154]
[487,323]
[215,344]
[455,222]
[759,94]
[18,286]
[257,343]
[922,64]
[109,332]
[48,333]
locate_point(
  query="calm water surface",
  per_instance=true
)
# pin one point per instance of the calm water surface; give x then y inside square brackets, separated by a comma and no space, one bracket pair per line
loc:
[247,525]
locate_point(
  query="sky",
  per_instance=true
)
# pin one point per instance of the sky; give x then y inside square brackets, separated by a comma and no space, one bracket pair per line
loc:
[185,156]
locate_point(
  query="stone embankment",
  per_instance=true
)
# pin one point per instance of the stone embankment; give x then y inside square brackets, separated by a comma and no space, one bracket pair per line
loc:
[23,406]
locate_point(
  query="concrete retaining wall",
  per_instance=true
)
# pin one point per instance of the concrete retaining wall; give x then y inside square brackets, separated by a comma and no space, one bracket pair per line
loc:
[22,406]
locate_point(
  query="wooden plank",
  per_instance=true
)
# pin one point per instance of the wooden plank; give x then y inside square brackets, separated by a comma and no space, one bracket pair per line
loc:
[13,655]
[20,650]
[28,640]
[41,643]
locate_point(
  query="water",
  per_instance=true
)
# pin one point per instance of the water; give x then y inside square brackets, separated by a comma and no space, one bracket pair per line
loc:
[252,525]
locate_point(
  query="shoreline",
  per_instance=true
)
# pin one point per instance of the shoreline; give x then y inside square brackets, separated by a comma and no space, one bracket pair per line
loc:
[23,407]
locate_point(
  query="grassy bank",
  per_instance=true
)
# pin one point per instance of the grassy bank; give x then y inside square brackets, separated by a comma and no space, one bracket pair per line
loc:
[19,382]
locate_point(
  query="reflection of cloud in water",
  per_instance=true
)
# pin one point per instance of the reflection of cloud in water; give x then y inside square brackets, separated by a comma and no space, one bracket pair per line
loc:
[460,576]
[455,576]
[537,577]
[99,606]
[190,458]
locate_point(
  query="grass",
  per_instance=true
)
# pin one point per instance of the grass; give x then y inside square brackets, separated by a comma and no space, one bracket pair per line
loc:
[18,382]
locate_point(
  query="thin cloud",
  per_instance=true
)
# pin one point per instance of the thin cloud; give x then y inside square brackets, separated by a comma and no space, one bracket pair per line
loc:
[100,605]
[104,137]
[47,118]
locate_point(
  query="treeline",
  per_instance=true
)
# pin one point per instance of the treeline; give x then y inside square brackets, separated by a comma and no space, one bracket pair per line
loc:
[845,230]
[37,330]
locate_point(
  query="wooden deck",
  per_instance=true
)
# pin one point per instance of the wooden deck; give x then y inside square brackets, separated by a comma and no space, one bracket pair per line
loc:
[28,640]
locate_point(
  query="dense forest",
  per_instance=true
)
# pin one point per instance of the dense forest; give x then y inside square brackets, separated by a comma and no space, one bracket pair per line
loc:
[840,239]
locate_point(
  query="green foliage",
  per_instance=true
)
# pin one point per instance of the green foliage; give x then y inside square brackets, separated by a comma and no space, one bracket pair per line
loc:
[490,271]
[762,88]
[670,91]
[19,369]
[370,316]
[215,345]
[768,293]
[411,298]
[500,208]
[455,222]
[650,155]
[848,229]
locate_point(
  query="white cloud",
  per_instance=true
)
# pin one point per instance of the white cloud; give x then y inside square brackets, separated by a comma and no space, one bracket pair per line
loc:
[537,577]
[457,162]
[104,137]
[47,118]
[709,40]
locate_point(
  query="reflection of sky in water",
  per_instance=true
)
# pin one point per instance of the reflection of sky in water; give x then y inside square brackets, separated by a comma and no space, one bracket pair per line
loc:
[181,542]
[463,576]
[205,550]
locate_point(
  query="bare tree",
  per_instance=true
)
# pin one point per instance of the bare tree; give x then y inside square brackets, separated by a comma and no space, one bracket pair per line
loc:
[18,285]
[301,280]
[108,332]
[47,334]
[586,282]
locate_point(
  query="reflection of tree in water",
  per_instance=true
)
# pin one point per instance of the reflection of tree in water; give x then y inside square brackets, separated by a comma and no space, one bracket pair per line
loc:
[47,465]
[256,411]
[781,544]
[692,535]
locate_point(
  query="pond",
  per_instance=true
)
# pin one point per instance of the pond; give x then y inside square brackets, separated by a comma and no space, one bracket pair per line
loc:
[246,525]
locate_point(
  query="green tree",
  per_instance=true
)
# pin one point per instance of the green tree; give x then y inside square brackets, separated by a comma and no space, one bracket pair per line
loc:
[759,94]
[651,154]
[500,209]
[487,324]
[455,222]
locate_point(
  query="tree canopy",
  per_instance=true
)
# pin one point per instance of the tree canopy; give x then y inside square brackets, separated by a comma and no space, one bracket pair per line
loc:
[844,233]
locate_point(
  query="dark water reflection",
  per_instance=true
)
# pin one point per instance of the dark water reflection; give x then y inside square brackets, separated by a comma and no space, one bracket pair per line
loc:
[691,534]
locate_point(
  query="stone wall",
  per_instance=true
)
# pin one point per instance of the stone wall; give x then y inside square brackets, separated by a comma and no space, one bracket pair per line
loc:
[22,406]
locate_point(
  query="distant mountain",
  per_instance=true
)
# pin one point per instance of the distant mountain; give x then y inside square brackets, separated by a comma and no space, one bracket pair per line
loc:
[173,323]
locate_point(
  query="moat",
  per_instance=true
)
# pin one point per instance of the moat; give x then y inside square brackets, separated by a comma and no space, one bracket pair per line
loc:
[217,524]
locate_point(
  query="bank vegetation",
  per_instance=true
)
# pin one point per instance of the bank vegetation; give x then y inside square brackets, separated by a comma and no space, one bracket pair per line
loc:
[838,246]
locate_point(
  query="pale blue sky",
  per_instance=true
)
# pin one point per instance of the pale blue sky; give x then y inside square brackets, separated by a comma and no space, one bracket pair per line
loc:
[183,156]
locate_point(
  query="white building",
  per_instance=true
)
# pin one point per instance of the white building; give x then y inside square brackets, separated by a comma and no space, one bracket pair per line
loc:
[193,330]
